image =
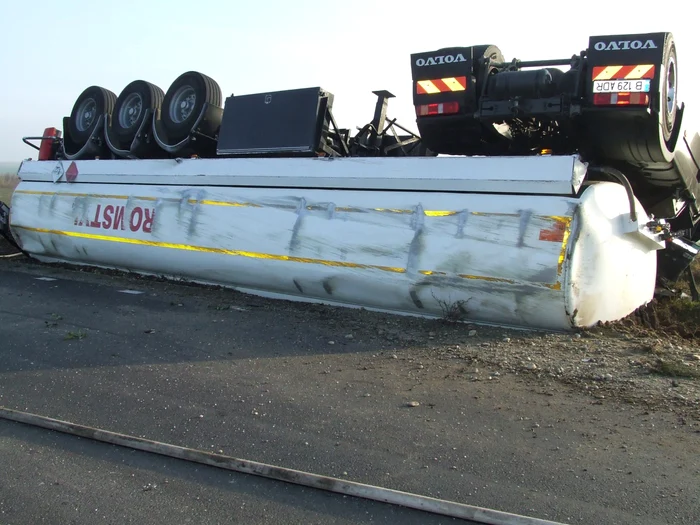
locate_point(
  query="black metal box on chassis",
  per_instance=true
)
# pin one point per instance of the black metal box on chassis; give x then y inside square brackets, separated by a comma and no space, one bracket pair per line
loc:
[288,122]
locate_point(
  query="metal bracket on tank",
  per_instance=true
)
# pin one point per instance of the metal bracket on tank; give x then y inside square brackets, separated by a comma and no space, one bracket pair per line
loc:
[57,172]
[651,235]
[579,173]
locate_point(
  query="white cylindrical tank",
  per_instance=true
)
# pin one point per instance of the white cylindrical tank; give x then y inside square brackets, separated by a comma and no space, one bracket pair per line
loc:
[542,258]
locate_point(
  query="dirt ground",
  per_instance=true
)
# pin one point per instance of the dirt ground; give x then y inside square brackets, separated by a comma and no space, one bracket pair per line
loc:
[654,368]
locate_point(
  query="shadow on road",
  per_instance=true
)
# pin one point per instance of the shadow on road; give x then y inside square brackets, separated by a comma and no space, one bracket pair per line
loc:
[71,319]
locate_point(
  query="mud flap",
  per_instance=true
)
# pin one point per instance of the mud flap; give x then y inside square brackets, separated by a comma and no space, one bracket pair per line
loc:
[676,259]
[5,226]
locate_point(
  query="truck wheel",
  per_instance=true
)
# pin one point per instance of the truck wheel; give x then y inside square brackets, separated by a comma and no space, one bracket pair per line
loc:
[645,142]
[131,108]
[480,52]
[91,103]
[669,88]
[184,101]
[487,51]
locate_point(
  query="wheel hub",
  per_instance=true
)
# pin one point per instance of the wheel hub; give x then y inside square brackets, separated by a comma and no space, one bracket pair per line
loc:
[671,86]
[183,104]
[131,110]
[87,111]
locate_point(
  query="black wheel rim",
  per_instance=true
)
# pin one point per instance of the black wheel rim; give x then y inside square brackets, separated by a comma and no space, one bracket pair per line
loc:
[86,114]
[183,104]
[130,111]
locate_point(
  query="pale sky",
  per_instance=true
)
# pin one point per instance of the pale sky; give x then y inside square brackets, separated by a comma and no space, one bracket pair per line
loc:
[50,51]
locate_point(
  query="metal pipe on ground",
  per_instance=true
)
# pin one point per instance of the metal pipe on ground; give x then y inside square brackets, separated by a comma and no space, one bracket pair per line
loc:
[349,488]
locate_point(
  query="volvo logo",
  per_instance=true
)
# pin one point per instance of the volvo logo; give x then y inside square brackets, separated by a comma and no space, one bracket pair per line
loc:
[624,45]
[442,59]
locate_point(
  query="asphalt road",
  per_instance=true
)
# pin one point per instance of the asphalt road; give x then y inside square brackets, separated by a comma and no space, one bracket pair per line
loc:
[259,380]
[51,477]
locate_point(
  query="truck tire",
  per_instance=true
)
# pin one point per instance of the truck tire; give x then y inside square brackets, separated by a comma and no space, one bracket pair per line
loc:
[131,108]
[91,103]
[481,52]
[669,89]
[184,101]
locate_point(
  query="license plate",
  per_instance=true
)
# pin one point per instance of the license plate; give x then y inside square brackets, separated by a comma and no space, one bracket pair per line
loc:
[622,86]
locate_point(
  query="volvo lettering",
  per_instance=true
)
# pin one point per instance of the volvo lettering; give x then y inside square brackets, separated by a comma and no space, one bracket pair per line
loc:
[447,59]
[624,45]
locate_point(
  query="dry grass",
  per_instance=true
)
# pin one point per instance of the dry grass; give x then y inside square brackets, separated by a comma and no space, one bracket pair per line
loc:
[674,368]
[663,315]
[670,316]
[675,316]
[7,186]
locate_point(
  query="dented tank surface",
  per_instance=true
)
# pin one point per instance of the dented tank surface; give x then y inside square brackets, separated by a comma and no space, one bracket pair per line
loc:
[490,257]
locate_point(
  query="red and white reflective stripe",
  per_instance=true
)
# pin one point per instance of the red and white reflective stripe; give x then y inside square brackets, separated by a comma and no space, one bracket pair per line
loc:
[441,85]
[445,108]
[633,72]
[620,99]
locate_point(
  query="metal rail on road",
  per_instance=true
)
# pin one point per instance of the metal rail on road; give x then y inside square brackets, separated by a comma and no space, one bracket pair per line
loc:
[349,488]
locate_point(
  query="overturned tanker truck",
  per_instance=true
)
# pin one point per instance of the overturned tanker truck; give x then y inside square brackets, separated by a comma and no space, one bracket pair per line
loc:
[549,194]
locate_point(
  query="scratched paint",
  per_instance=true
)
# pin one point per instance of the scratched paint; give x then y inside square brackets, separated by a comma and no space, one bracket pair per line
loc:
[380,249]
